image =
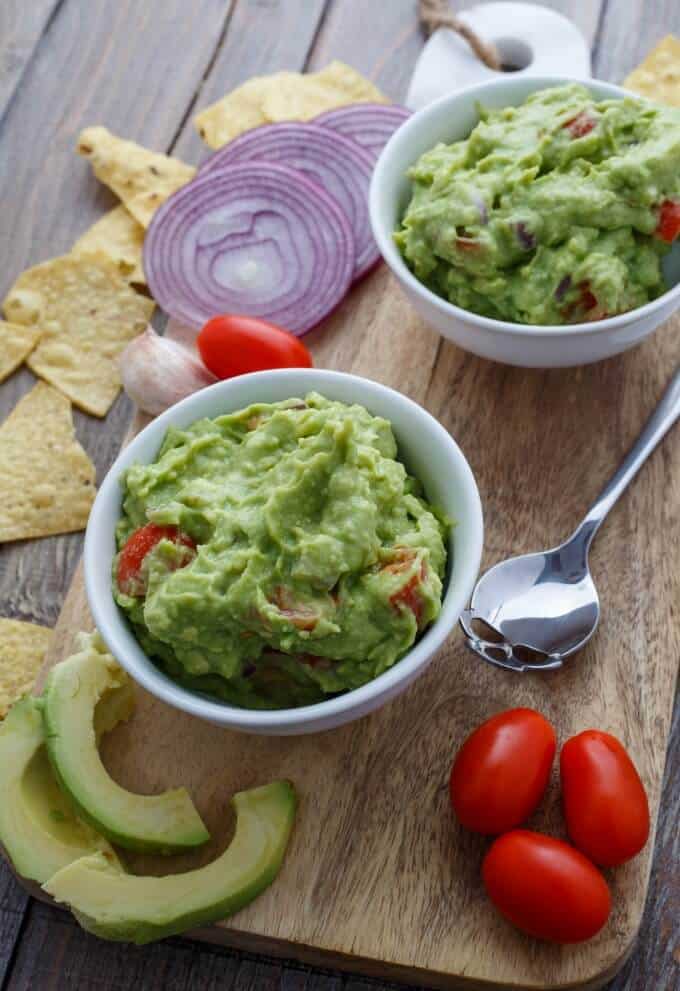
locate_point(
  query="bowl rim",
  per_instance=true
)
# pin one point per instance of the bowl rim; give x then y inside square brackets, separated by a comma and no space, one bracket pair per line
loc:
[112,625]
[393,257]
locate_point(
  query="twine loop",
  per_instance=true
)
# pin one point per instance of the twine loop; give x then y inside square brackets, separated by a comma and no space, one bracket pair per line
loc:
[435,14]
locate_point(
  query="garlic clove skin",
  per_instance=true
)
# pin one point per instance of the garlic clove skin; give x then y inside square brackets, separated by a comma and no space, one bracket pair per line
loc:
[157,373]
[181,334]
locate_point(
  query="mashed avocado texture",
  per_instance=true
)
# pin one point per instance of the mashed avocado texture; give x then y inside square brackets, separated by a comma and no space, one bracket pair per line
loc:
[553,212]
[305,559]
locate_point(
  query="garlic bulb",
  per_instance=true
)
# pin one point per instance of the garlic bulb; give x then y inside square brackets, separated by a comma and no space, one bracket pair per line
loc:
[157,373]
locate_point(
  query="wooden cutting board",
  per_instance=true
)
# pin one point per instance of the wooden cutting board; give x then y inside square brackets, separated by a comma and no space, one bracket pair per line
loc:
[379,878]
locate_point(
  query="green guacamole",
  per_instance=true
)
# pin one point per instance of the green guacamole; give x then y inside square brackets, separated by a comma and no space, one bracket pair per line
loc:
[317,560]
[553,212]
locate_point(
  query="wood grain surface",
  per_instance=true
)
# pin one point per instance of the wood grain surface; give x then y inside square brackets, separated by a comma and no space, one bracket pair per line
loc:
[121,68]
[22,26]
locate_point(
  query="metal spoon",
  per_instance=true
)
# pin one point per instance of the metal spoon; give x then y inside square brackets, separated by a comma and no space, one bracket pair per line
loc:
[542,607]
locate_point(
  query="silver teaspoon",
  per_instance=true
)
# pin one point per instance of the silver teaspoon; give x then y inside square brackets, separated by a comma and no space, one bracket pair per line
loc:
[537,609]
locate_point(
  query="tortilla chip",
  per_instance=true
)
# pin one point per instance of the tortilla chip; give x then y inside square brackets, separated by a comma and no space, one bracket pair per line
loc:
[16,343]
[658,77]
[46,478]
[87,313]
[283,96]
[22,651]
[140,178]
[119,236]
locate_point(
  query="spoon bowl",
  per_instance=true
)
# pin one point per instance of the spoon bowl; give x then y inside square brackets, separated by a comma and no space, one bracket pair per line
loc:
[531,612]
[541,607]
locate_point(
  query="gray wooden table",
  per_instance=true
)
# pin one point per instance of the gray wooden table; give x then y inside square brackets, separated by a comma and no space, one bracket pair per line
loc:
[142,67]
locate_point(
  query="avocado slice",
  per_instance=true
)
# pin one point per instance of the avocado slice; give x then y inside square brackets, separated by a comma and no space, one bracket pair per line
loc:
[39,828]
[164,823]
[122,906]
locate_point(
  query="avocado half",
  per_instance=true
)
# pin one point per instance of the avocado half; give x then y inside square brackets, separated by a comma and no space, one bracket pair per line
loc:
[39,827]
[75,715]
[121,906]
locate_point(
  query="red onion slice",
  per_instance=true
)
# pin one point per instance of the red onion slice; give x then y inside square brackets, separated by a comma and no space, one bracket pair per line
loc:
[332,161]
[371,125]
[255,239]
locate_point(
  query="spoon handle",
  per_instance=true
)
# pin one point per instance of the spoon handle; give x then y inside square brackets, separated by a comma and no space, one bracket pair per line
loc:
[656,428]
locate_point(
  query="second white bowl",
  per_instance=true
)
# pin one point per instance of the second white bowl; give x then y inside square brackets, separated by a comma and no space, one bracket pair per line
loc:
[451,119]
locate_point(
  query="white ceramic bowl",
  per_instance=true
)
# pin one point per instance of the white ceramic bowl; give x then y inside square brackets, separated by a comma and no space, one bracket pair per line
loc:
[429,453]
[451,119]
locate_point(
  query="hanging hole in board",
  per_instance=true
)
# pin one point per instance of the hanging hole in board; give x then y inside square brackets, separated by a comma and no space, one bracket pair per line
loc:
[514,53]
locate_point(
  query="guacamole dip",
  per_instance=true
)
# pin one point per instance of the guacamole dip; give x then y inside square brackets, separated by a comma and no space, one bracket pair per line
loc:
[280,554]
[553,212]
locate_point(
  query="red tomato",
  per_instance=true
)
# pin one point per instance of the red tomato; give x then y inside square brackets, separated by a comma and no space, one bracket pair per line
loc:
[545,887]
[467,244]
[401,560]
[581,124]
[605,803]
[588,300]
[586,306]
[409,594]
[501,771]
[232,345]
[138,546]
[668,226]
[301,615]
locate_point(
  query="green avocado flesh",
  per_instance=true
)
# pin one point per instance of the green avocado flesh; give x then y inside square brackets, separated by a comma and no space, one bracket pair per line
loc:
[39,827]
[73,721]
[120,906]
[547,213]
[318,563]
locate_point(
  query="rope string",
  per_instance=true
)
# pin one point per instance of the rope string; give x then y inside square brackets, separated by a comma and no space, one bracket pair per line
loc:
[435,14]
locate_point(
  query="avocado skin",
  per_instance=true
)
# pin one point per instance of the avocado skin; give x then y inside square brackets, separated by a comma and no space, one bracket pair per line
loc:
[124,921]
